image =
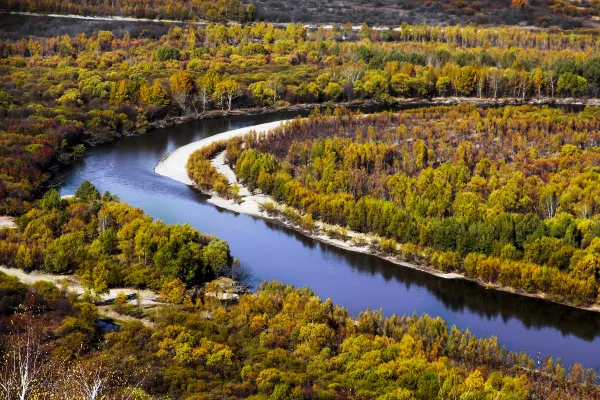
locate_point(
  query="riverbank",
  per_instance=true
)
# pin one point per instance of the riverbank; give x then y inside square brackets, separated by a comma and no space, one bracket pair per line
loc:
[173,164]
[170,121]
[394,102]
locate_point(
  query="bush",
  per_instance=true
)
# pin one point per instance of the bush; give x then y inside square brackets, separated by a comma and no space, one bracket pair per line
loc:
[166,53]
[388,246]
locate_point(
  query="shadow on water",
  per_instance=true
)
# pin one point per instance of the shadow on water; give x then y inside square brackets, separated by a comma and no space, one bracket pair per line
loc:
[457,295]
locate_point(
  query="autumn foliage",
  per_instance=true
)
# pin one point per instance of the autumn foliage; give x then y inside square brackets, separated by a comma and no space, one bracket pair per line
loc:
[506,196]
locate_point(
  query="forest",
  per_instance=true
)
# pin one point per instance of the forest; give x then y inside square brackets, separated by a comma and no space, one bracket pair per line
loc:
[58,95]
[503,191]
[506,196]
[109,244]
[278,343]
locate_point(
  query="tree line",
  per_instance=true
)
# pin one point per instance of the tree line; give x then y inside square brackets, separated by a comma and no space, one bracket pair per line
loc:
[194,10]
[61,93]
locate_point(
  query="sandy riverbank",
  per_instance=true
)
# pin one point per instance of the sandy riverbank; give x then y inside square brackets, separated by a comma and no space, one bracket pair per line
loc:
[173,166]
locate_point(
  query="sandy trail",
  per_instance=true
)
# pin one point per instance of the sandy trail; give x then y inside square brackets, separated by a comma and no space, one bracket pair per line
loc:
[147,297]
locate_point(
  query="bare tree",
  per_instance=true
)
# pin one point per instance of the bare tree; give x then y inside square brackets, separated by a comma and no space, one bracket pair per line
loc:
[24,369]
[353,71]
[201,99]
[93,379]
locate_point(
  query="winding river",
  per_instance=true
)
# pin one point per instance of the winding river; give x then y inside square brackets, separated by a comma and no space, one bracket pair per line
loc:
[356,281]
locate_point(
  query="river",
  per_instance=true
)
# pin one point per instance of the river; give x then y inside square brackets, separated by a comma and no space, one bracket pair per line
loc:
[355,281]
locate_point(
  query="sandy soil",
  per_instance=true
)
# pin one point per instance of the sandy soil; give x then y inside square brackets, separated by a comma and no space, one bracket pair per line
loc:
[106,311]
[7,222]
[173,164]
[147,297]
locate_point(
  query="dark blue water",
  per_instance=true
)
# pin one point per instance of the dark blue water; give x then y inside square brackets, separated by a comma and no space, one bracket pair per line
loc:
[356,281]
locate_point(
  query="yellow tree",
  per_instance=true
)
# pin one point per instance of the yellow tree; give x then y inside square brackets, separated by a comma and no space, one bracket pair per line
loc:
[119,93]
[226,91]
[538,80]
[181,85]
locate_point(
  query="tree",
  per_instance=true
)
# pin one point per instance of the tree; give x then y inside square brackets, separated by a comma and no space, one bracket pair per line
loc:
[50,200]
[261,91]
[401,84]
[569,82]
[181,85]
[353,71]
[227,91]
[443,85]
[376,85]
[519,4]
[538,80]
[201,98]
[465,80]
[119,93]
[217,256]
[173,292]
[333,90]
[166,53]
[250,12]
[365,31]
[86,191]
[154,95]
[24,372]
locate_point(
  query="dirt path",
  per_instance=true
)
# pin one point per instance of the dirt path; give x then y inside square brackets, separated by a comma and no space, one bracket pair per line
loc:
[108,312]
[147,297]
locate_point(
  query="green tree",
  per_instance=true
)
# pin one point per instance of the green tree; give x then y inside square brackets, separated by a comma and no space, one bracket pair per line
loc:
[571,83]
[166,53]
[217,256]
[50,200]
[86,191]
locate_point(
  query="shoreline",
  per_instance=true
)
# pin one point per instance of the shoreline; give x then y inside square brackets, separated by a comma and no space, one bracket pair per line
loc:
[172,164]
[397,102]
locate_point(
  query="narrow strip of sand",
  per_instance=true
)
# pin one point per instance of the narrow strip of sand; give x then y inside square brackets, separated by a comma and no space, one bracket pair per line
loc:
[173,164]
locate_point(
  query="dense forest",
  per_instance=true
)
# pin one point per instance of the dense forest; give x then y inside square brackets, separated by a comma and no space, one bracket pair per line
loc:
[279,343]
[110,244]
[505,192]
[506,196]
[57,94]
